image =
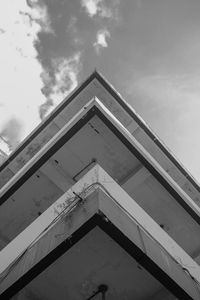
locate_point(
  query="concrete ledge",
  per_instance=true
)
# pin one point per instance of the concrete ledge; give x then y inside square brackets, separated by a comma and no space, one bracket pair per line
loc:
[98,197]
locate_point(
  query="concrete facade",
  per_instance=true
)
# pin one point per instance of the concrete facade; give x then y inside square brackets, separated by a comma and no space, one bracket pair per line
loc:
[93,176]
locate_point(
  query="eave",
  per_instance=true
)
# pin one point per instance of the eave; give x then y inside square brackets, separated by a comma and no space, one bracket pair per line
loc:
[98,86]
[97,200]
[95,107]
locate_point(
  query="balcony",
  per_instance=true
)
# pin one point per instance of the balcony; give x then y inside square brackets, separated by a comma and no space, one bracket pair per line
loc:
[94,234]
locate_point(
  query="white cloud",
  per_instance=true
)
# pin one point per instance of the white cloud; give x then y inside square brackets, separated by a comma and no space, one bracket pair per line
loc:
[101,40]
[20,70]
[23,101]
[108,13]
[66,72]
[101,8]
[40,14]
[91,6]
[65,79]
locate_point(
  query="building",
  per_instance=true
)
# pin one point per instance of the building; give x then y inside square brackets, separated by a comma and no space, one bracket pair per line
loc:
[93,206]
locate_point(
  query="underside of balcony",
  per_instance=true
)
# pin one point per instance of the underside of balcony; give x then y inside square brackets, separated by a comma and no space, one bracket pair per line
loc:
[98,235]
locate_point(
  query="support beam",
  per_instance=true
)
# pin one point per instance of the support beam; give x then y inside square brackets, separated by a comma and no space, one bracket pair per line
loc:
[136,179]
[57,174]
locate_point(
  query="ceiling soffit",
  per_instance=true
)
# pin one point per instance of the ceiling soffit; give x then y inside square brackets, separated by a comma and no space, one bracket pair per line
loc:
[97,200]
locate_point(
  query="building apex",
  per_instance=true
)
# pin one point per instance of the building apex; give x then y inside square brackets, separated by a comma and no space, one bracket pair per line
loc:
[109,92]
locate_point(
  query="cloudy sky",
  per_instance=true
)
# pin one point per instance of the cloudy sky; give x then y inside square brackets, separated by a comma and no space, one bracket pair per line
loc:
[148,49]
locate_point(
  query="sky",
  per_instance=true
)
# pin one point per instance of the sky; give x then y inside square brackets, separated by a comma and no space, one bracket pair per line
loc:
[147,49]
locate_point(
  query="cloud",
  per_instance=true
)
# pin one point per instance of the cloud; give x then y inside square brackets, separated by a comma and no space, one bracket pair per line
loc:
[66,72]
[62,82]
[107,15]
[21,95]
[73,31]
[99,8]
[101,40]
[39,14]
[11,131]
[91,6]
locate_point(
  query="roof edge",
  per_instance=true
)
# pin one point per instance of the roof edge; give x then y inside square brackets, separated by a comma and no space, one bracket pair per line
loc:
[105,83]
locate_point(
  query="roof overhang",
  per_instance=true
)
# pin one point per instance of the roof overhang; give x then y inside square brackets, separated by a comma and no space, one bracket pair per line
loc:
[97,200]
[95,107]
[96,85]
